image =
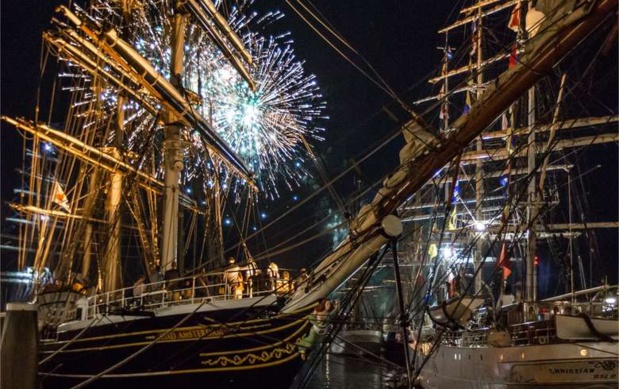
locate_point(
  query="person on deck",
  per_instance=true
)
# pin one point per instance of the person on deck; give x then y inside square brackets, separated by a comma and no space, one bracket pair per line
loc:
[202,284]
[251,273]
[233,278]
[156,279]
[285,285]
[273,273]
[172,283]
[464,283]
[139,287]
[303,279]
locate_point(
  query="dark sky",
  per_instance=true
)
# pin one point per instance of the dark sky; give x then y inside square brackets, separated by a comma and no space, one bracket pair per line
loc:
[21,27]
[397,37]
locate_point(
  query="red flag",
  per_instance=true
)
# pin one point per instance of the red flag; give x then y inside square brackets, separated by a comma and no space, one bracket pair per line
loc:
[514,19]
[59,197]
[504,262]
[513,56]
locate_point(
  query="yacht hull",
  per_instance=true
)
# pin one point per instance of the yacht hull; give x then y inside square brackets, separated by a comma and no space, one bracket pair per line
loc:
[209,349]
[565,365]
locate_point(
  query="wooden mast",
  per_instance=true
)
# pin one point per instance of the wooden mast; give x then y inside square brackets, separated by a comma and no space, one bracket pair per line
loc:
[173,152]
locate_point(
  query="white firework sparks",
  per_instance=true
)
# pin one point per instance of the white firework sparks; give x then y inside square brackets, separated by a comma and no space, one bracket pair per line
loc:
[266,127]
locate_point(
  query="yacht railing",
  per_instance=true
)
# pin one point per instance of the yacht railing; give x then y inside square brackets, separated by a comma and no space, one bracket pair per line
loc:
[540,332]
[185,290]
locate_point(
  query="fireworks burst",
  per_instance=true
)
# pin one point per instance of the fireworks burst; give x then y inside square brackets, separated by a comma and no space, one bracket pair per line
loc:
[266,126]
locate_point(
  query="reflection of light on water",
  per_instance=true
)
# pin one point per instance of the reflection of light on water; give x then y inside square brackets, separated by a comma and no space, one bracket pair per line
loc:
[336,371]
[327,373]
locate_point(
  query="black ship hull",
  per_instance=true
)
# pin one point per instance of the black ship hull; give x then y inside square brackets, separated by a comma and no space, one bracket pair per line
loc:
[221,349]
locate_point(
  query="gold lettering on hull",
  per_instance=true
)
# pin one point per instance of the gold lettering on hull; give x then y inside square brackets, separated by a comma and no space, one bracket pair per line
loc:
[203,333]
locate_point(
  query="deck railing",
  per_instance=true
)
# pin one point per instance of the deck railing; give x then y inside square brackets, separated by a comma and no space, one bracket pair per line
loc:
[180,291]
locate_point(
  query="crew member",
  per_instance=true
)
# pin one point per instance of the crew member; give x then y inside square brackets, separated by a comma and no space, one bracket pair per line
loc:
[172,276]
[273,273]
[251,273]
[139,288]
[285,284]
[156,279]
[202,284]
[233,278]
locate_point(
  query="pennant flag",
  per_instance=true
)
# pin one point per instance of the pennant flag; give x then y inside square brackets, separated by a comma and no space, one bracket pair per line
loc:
[514,19]
[504,121]
[432,251]
[449,54]
[467,103]
[453,219]
[503,262]
[59,197]
[444,112]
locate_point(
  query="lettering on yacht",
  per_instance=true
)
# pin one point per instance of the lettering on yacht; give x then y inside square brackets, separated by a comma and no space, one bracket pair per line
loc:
[572,371]
[193,334]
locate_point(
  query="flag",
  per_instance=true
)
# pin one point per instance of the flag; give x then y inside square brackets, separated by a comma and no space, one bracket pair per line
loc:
[453,219]
[444,112]
[513,57]
[474,38]
[504,121]
[432,251]
[449,54]
[504,262]
[467,103]
[59,197]
[514,19]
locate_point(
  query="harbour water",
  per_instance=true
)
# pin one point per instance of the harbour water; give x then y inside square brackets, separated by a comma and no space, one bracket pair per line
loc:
[342,372]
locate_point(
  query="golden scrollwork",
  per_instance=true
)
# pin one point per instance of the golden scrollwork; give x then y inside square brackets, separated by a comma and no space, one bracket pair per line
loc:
[252,358]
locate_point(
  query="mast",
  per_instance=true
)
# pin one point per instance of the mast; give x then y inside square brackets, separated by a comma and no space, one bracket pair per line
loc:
[479,146]
[375,223]
[532,194]
[214,233]
[173,153]
[532,203]
[111,277]
[93,188]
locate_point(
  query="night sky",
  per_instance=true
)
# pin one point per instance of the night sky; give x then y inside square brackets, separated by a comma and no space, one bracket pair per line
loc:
[397,37]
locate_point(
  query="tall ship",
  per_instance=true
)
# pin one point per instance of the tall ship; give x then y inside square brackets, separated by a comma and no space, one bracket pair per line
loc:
[505,236]
[177,120]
